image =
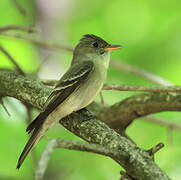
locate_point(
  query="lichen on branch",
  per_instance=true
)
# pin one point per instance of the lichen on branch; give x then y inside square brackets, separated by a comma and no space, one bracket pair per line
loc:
[136,161]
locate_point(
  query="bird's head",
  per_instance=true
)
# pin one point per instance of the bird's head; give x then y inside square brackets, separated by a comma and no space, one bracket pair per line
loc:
[93,46]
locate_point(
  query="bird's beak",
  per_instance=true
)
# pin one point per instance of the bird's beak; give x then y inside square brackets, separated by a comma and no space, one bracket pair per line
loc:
[113,47]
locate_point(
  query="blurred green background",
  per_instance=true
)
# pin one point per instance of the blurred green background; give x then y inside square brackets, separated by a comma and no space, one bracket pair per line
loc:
[150,32]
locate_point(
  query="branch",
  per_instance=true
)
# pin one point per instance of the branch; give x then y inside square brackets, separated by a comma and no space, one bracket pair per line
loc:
[16,27]
[125,176]
[19,7]
[3,105]
[51,82]
[116,116]
[143,88]
[122,66]
[137,162]
[120,115]
[24,88]
[44,159]
[40,43]
[155,149]
[13,61]
[162,122]
[71,145]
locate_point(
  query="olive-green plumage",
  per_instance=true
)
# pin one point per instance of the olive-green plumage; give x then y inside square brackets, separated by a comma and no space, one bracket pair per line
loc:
[75,90]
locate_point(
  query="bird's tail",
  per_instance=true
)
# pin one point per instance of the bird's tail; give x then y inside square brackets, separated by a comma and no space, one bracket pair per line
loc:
[35,137]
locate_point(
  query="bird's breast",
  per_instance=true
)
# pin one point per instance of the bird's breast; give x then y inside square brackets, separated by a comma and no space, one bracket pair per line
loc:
[91,88]
[80,98]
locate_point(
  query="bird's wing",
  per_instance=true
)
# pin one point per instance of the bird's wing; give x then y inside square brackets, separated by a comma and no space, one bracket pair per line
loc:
[72,80]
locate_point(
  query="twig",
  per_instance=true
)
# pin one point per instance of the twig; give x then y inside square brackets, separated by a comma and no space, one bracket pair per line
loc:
[19,7]
[102,99]
[52,82]
[6,53]
[44,159]
[143,88]
[40,43]
[162,122]
[72,145]
[16,27]
[84,146]
[2,103]
[121,66]
[155,149]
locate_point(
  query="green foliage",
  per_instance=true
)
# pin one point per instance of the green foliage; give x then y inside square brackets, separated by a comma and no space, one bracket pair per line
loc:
[150,32]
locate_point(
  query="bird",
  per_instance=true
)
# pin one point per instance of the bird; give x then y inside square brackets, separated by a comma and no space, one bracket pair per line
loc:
[75,90]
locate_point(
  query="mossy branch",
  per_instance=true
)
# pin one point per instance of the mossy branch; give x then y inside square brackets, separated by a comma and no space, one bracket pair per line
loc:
[137,162]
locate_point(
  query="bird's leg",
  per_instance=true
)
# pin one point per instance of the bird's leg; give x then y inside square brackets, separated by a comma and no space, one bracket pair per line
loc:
[102,99]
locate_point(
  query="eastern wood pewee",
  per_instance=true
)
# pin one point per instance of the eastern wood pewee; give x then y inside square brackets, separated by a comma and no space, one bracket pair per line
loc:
[75,90]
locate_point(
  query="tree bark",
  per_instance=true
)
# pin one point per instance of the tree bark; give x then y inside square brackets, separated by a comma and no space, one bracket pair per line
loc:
[136,161]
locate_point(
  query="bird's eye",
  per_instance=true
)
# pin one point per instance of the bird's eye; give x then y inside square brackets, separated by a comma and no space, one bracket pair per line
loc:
[95,44]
